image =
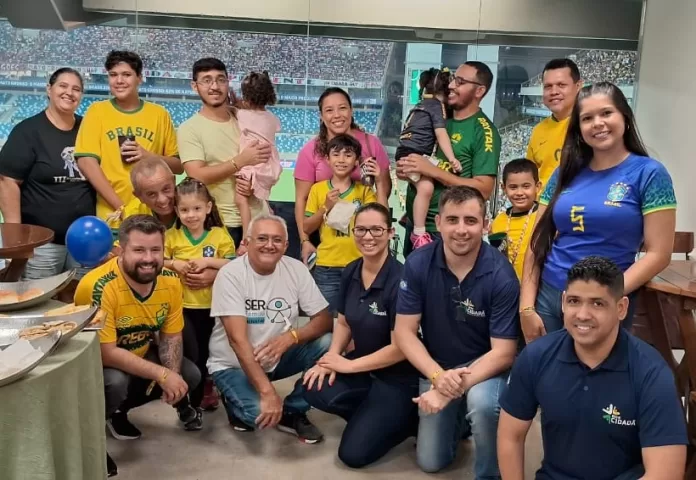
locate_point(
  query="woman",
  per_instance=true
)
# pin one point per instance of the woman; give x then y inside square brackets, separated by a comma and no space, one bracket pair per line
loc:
[606,198]
[336,117]
[371,388]
[40,183]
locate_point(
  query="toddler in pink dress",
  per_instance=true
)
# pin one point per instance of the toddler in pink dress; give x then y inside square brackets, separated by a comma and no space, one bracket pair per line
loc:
[257,125]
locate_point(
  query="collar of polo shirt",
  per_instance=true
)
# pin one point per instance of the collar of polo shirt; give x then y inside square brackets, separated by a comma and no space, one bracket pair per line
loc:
[381,277]
[617,359]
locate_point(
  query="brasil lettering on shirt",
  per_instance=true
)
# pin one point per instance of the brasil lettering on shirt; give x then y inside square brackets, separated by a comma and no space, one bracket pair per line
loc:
[131,132]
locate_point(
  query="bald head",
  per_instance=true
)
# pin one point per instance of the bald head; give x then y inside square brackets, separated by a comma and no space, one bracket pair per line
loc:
[148,168]
[154,185]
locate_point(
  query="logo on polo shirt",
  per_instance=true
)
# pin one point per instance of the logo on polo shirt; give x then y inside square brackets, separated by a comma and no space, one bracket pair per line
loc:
[208,251]
[617,192]
[403,285]
[470,309]
[374,310]
[613,416]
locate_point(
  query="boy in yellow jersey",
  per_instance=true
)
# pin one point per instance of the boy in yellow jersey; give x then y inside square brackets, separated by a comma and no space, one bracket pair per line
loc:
[140,299]
[512,229]
[561,84]
[336,248]
[117,133]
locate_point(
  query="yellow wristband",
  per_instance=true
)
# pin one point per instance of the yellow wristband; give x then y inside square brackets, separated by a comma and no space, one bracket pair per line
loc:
[435,374]
[293,332]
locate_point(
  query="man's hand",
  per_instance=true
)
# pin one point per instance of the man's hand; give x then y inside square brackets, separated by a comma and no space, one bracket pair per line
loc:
[243,187]
[257,152]
[336,362]
[414,163]
[307,249]
[331,199]
[431,402]
[269,353]
[173,388]
[204,279]
[532,326]
[450,382]
[271,410]
[317,374]
[133,152]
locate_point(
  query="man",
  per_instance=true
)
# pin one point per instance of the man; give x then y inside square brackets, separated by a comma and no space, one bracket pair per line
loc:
[139,299]
[256,338]
[464,296]
[117,133]
[209,145]
[610,410]
[561,84]
[475,141]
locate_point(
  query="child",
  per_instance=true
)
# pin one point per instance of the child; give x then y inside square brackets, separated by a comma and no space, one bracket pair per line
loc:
[424,127]
[512,229]
[257,124]
[337,249]
[197,241]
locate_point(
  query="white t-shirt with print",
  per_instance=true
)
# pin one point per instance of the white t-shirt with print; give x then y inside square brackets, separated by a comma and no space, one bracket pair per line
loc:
[270,304]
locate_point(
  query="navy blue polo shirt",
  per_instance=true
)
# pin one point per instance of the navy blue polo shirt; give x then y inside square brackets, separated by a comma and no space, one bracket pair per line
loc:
[459,319]
[595,422]
[371,313]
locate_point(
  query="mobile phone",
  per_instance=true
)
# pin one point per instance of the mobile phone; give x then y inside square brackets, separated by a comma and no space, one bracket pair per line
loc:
[312,260]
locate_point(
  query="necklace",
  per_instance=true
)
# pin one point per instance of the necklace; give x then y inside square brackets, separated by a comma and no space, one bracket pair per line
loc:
[516,246]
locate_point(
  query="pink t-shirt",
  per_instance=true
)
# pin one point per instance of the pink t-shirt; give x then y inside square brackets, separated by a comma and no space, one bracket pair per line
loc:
[262,126]
[311,167]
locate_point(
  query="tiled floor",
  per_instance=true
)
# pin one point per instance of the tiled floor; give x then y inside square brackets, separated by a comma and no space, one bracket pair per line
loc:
[165,452]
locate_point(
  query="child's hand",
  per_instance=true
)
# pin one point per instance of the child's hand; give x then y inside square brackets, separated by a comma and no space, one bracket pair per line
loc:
[197,265]
[456,166]
[180,267]
[331,199]
[372,167]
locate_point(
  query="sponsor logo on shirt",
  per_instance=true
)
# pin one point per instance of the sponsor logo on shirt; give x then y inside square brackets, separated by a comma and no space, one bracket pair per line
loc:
[470,309]
[617,192]
[374,310]
[208,251]
[488,135]
[613,416]
[403,285]
[456,138]
[275,310]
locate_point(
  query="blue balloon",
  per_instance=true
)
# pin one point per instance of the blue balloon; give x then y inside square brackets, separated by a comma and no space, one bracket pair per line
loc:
[89,240]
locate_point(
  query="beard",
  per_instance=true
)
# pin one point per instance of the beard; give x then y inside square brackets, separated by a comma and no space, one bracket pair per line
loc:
[143,278]
[223,100]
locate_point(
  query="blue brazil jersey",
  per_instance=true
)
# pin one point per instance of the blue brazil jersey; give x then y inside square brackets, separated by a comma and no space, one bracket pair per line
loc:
[601,213]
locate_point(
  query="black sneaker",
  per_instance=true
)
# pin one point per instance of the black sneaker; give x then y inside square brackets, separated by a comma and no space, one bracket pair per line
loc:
[187,414]
[299,425]
[111,469]
[236,423]
[196,423]
[121,428]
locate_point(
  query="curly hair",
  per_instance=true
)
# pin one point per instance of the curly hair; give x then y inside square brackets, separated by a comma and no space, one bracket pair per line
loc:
[257,90]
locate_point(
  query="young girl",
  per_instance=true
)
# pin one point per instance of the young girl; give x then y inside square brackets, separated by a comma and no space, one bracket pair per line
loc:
[257,124]
[425,127]
[197,241]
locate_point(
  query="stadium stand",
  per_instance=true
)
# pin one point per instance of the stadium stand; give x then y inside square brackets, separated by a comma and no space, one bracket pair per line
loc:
[614,66]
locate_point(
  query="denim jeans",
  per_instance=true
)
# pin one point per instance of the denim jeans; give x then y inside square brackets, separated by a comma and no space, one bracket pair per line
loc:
[439,434]
[549,307]
[380,414]
[243,401]
[328,279]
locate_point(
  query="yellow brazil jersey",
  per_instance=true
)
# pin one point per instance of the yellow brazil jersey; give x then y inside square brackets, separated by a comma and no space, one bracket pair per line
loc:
[131,320]
[133,207]
[545,147]
[335,248]
[518,226]
[179,244]
[104,122]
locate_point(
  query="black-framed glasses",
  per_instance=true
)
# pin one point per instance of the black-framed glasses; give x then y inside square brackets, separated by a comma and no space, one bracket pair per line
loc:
[208,82]
[459,81]
[374,231]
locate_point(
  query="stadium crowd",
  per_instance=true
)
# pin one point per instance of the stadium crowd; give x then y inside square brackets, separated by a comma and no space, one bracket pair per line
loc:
[616,66]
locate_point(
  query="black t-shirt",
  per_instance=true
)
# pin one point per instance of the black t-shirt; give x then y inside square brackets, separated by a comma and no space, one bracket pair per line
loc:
[53,191]
[419,130]
[371,314]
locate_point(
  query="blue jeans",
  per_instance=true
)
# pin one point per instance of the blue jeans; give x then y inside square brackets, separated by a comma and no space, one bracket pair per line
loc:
[243,401]
[380,414]
[439,434]
[549,306]
[328,279]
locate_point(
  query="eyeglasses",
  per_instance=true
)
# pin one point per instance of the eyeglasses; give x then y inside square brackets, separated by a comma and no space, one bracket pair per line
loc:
[374,231]
[207,82]
[262,240]
[459,81]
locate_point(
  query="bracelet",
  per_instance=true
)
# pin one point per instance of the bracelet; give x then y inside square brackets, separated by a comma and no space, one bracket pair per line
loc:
[527,311]
[294,334]
[165,374]
[435,374]
[234,164]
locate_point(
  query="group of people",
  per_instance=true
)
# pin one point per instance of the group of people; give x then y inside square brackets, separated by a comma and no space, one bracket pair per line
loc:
[433,348]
